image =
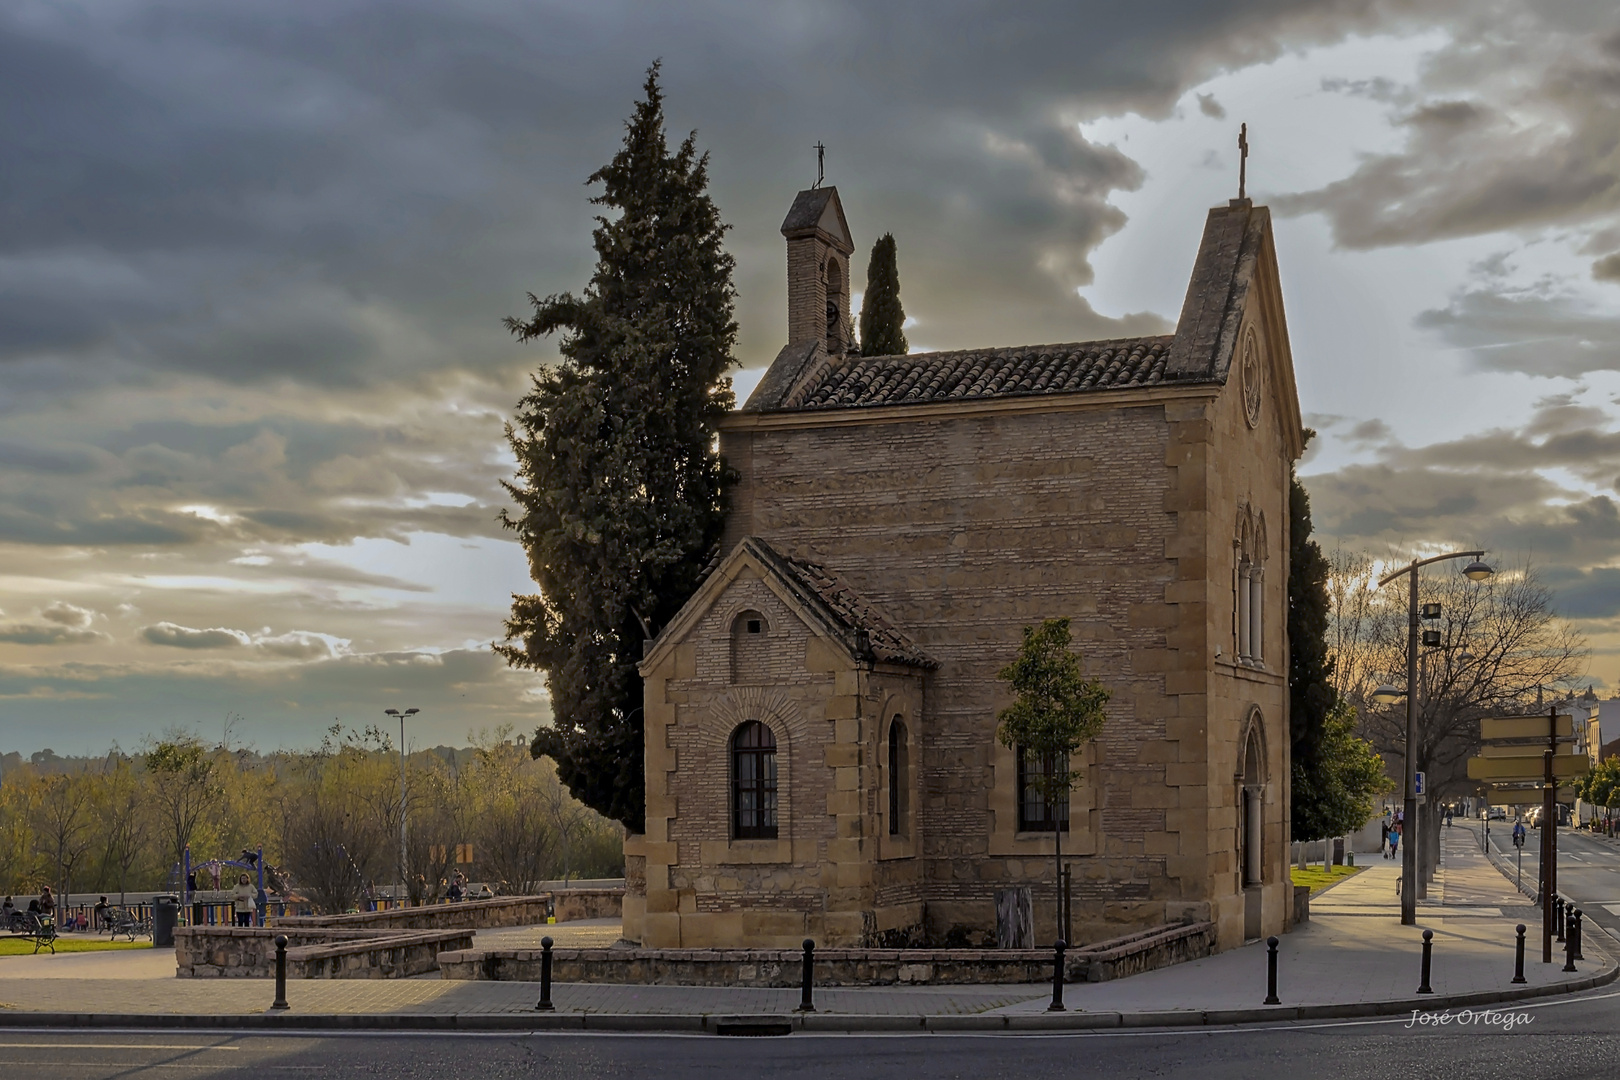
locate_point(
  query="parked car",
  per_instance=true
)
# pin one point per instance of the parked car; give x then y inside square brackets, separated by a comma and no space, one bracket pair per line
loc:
[1498,813]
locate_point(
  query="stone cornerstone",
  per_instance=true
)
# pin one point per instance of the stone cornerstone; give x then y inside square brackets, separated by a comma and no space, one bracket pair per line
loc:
[821,757]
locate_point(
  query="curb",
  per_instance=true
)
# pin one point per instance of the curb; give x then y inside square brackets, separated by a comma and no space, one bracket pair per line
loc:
[782,1024]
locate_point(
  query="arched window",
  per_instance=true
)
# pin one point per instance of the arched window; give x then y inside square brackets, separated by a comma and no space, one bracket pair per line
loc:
[1035,813]
[899,777]
[835,308]
[1248,593]
[753,782]
[1251,790]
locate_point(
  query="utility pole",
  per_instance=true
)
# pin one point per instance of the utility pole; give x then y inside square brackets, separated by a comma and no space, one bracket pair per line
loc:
[404,863]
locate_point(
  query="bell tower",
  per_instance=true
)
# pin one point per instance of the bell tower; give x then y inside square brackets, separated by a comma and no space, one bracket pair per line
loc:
[818,251]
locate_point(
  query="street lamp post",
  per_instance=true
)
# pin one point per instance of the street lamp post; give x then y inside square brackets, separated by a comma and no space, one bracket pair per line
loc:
[404,885]
[1474,571]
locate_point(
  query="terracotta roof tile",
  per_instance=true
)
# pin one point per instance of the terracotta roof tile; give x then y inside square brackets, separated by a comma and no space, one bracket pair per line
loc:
[982,373]
[872,630]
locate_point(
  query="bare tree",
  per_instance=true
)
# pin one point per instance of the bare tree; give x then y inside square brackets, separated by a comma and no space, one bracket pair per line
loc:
[1501,644]
[122,821]
[64,825]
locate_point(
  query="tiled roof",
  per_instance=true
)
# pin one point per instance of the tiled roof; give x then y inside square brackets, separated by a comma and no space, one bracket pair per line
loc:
[987,373]
[874,632]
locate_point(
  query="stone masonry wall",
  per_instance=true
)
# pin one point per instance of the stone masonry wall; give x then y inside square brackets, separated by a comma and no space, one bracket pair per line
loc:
[966,528]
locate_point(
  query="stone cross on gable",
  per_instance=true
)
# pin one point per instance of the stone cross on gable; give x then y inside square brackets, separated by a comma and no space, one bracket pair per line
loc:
[1243,158]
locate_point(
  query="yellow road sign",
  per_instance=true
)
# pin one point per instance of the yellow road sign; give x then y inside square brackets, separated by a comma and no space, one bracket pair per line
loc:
[1565,766]
[1523,727]
[1529,797]
[1524,750]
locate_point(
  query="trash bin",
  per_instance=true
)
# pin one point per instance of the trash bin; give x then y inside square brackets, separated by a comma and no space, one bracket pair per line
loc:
[165,915]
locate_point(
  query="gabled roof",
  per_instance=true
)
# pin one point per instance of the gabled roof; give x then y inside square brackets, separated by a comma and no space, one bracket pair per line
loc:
[986,373]
[1235,270]
[819,211]
[827,602]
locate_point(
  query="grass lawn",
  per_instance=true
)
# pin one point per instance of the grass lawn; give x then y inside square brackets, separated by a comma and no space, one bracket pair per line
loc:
[19,946]
[1319,879]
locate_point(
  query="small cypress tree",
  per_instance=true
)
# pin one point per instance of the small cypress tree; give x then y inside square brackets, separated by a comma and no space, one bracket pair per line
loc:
[882,318]
[620,488]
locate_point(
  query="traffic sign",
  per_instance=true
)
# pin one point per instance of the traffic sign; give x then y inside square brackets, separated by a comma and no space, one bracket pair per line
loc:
[1419,780]
[1565,767]
[1513,750]
[1530,797]
[1524,727]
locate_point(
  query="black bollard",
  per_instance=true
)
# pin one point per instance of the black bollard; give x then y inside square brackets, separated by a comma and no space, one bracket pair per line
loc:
[1271,972]
[1558,916]
[1428,947]
[1579,929]
[1058,948]
[281,973]
[1569,952]
[1518,957]
[806,1002]
[544,1004]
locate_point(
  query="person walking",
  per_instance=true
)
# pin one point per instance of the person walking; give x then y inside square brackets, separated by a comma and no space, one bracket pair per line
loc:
[1383,838]
[244,900]
[1395,840]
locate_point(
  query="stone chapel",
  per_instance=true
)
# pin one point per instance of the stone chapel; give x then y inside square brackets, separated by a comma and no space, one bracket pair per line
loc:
[821,758]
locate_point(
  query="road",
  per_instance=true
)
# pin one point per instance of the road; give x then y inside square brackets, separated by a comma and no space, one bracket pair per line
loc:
[1568,1040]
[1588,870]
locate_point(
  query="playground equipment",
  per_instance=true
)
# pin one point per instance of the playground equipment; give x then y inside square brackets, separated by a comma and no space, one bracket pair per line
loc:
[213,906]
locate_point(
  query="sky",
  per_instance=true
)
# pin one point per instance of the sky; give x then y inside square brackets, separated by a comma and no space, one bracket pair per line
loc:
[254,259]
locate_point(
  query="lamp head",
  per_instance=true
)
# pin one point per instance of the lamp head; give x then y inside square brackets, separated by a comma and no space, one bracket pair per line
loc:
[1477,571]
[1387,695]
[412,712]
[390,712]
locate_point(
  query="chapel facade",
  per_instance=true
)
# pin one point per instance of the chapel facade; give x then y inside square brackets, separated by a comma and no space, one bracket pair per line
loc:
[820,717]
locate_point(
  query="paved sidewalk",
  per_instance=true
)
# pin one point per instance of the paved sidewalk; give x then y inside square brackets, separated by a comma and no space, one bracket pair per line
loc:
[1352,958]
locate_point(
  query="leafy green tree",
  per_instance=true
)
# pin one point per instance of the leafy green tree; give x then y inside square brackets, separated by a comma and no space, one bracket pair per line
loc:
[1055,711]
[620,487]
[882,317]
[1337,795]
[184,787]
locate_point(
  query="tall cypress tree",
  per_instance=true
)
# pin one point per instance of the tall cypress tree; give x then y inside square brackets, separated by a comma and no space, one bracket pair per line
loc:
[882,317]
[620,490]
[1311,696]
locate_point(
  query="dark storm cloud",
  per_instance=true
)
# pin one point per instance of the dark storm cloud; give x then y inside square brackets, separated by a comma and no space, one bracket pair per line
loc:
[185,637]
[1506,130]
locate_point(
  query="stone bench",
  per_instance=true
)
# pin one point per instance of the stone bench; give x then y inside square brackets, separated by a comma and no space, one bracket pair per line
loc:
[1117,957]
[392,956]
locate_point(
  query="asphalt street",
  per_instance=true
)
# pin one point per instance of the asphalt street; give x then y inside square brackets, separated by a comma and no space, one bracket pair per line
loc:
[1569,1040]
[1588,870]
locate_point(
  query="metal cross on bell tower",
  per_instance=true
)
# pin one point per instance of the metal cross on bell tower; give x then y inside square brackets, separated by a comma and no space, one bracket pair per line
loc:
[1243,159]
[821,165]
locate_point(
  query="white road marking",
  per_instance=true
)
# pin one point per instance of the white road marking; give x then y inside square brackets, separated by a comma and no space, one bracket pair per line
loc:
[117,1046]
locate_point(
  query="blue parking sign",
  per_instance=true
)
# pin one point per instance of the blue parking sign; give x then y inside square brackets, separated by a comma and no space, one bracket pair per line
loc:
[1418,784]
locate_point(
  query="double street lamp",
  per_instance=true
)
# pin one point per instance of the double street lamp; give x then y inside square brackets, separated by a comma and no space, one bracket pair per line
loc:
[404,883]
[1476,570]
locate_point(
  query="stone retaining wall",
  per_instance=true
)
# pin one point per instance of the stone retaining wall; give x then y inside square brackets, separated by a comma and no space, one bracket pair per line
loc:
[1144,951]
[570,904]
[312,952]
